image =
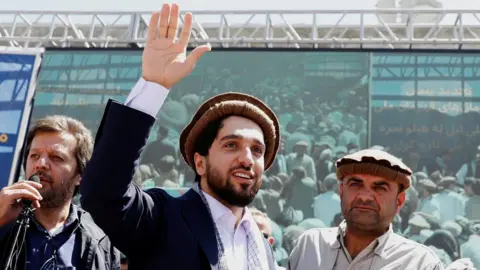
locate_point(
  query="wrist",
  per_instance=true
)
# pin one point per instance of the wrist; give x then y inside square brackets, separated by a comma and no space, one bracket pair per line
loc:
[156,81]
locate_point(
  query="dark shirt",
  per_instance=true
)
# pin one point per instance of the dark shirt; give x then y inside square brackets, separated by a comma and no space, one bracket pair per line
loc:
[56,249]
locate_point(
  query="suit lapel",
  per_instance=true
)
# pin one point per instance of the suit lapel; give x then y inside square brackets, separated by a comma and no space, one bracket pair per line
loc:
[201,224]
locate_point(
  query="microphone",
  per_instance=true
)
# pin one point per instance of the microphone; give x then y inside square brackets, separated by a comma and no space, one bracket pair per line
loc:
[34,178]
[28,204]
[19,232]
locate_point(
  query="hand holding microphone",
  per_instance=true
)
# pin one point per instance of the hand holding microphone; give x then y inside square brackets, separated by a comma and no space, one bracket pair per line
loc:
[17,196]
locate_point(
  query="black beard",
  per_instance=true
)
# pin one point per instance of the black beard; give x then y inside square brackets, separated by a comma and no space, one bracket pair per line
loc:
[226,192]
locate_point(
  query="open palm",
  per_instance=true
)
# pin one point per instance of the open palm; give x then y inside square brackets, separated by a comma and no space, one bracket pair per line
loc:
[164,59]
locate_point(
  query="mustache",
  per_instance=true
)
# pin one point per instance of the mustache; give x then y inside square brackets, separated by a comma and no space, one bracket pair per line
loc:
[241,167]
[44,176]
[361,203]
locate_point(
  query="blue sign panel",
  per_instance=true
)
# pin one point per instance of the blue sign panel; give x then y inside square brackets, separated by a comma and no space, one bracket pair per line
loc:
[16,72]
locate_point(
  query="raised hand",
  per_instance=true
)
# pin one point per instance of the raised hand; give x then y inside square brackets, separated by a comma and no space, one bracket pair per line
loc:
[164,59]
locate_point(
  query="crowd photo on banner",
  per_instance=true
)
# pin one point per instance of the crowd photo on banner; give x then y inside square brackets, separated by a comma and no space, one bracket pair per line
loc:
[329,104]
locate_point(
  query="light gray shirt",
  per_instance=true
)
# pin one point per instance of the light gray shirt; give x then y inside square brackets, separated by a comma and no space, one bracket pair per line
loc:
[322,249]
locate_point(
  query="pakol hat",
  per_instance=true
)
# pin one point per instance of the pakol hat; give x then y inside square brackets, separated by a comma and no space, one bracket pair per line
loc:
[374,162]
[231,104]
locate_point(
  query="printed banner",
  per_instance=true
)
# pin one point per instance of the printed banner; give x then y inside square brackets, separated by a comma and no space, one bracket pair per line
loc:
[18,71]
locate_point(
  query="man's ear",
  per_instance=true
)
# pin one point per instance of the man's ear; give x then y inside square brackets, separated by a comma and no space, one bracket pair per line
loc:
[200,164]
[401,199]
[78,179]
[271,240]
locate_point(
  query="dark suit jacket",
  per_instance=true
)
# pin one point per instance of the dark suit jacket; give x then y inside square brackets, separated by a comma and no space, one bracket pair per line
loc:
[153,229]
[95,252]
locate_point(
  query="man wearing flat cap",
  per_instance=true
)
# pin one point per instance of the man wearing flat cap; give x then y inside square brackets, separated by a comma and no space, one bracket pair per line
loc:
[372,191]
[428,204]
[230,141]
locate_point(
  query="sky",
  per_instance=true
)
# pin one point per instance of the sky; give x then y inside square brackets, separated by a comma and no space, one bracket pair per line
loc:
[147,5]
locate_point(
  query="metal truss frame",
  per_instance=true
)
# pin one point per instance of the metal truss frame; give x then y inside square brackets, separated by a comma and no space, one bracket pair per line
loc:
[432,67]
[378,28]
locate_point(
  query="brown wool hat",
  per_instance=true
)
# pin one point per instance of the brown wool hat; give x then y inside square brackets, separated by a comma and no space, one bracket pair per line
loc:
[232,104]
[375,162]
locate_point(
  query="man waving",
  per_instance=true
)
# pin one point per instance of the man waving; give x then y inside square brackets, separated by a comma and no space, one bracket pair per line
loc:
[230,141]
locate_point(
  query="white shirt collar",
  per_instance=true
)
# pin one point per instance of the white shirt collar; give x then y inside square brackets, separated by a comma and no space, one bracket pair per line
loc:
[220,211]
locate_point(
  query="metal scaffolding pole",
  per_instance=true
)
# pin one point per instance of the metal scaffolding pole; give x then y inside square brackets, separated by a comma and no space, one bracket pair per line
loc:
[378,28]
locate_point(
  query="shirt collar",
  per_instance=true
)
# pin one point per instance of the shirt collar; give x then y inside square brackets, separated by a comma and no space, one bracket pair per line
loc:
[73,217]
[247,218]
[382,241]
[378,243]
[220,211]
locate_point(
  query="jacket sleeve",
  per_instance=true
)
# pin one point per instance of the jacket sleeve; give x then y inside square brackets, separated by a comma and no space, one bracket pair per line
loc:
[129,216]
[4,230]
[5,242]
